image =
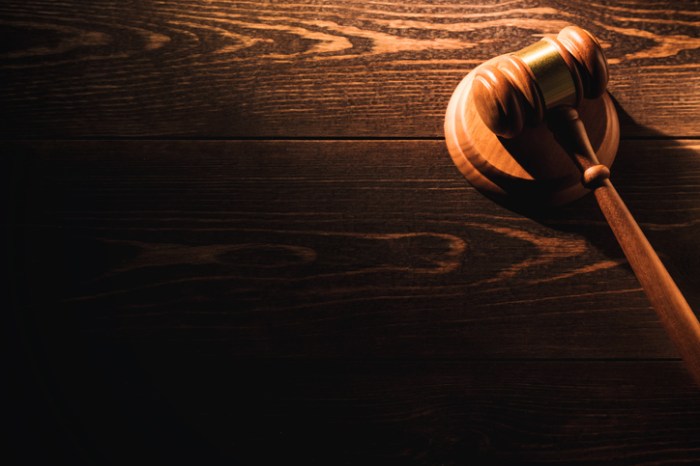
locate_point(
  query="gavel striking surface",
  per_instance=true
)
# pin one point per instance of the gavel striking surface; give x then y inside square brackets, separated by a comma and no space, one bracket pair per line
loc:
[532,167]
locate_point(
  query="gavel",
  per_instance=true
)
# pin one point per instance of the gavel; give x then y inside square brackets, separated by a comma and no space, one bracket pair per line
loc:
[509,122]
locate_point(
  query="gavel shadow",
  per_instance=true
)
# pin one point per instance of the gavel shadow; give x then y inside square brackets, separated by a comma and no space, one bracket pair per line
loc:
[654,174]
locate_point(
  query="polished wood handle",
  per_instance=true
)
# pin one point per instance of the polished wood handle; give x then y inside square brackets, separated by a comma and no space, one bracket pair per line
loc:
[668,301]
[672,308]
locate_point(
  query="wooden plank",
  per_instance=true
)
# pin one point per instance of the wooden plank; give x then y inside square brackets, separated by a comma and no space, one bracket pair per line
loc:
[442,413]
[178,403]
[307,68]
[338,249]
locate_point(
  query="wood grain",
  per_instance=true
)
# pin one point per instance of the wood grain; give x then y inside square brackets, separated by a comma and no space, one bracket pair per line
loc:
[311,69]
[334,302]
[339,249]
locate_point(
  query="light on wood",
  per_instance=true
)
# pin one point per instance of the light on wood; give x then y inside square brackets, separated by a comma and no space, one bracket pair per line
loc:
[537,126]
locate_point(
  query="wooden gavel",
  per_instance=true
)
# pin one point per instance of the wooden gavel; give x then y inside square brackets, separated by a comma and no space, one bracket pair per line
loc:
[541,87]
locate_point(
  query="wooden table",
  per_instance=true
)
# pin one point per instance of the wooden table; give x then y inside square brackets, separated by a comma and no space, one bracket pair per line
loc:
[236,237]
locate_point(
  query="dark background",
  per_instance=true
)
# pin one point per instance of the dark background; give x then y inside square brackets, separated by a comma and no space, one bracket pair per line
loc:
[235,236]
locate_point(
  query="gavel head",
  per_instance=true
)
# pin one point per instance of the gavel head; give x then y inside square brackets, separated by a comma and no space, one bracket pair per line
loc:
[517,89]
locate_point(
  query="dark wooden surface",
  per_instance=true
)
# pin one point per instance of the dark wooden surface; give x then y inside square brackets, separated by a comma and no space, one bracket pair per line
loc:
[235,236]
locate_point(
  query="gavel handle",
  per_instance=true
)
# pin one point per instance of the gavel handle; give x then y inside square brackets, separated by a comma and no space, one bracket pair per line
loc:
[673,310]
[668,301]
